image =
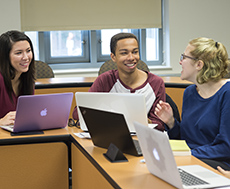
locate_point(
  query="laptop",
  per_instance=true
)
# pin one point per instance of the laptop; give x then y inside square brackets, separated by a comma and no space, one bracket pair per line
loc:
[41,112]
[108,127]
[161,163]
[131,105]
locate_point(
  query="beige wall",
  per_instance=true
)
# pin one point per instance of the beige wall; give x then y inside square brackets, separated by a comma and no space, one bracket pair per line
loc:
[185,20]
[189,19]
[9,15]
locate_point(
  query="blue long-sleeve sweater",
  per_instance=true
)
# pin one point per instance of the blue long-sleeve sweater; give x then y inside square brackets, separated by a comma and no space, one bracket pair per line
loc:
[205,124]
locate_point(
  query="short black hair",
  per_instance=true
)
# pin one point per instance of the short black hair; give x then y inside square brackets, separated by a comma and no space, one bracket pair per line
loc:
[119,36]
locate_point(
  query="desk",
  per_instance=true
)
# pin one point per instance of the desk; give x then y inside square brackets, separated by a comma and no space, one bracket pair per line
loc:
[174,86]
[95,170]
[35,161]
[42,161]
[64,82]
[44,83]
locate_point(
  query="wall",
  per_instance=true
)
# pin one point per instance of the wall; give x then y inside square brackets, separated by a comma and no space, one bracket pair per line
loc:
[185,20]
[9,15]
[190,19]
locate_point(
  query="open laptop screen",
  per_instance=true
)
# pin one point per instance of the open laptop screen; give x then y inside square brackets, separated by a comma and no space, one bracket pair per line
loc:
[132,106]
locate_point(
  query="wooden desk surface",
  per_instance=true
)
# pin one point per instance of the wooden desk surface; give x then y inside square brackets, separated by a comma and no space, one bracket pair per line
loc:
[175,82]
[131,174]
[88,81]
[90,167]
[64,82]
[48,136]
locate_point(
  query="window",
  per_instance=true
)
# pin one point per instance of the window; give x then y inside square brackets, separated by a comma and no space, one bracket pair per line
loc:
[34,38]
[65,43]
[150,46]
[66,46]
[89,49]
[103,45]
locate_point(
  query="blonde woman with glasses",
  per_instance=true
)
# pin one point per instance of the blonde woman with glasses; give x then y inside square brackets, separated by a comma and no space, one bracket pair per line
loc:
[205,121]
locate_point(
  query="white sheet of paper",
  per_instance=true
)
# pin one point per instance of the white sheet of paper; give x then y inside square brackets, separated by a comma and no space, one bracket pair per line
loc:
[151,125]
[83,135]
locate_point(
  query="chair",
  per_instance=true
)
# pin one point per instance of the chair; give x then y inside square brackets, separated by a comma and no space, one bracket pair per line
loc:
[176,113]
[110,65]
[43,70]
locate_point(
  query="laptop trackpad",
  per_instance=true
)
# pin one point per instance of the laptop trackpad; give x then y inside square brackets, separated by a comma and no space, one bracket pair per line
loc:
[206,174]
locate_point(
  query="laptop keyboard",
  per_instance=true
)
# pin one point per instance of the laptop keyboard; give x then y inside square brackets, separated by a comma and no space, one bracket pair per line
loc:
[190,180]
[137,146]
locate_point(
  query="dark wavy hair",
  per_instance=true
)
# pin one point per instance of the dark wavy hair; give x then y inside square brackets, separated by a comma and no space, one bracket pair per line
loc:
[119,36]
[27,79]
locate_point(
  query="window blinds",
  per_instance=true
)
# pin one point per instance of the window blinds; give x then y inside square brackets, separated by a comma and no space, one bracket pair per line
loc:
[49,15]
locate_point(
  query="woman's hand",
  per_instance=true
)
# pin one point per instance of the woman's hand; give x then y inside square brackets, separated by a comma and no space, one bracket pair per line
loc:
[225,173]
[8,119]
[164,111]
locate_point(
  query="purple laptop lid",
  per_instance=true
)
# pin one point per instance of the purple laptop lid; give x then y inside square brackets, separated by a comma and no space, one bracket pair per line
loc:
[41,112]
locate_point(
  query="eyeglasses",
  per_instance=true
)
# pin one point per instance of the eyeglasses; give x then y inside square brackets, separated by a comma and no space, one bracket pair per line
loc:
[183,56]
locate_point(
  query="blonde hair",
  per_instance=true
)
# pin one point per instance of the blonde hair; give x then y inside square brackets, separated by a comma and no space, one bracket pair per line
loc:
[215,58]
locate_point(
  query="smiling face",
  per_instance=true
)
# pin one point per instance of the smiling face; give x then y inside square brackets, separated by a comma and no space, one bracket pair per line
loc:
[21,56]
[189,68]
[126,55]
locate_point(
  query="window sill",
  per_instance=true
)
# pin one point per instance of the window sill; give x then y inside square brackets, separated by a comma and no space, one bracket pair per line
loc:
[94,71]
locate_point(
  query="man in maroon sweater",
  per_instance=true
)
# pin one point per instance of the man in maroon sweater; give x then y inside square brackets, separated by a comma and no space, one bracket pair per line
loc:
[128,78]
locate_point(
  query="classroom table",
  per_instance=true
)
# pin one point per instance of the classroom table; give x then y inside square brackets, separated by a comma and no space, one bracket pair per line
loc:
[174,87]
[90,169]
[66,82]
[43,161]
[43,83]
[35,161]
